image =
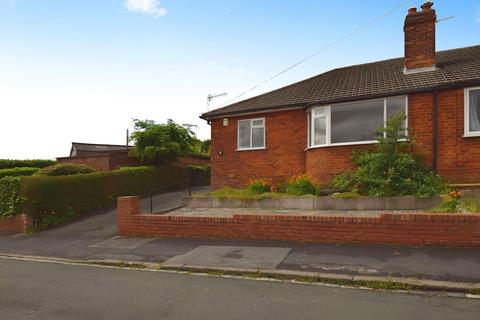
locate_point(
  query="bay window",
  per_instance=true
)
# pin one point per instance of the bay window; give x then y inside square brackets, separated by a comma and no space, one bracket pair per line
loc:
[472,112]
[251,134]
[353,122]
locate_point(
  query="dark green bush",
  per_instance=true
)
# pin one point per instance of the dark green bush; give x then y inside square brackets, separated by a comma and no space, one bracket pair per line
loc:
[10,200]
[17,172]
[51,198]
[65,169]
[10,163]
[391,168]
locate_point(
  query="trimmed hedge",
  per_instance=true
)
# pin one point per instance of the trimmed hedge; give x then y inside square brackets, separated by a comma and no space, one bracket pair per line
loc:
[17,172]
[52,199]
[65,169]
[10,200]
[10,163]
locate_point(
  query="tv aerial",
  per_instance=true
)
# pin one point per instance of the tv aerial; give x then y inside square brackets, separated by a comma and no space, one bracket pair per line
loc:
[210,97]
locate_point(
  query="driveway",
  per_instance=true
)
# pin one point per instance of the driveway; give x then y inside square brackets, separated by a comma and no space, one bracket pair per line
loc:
[104,224]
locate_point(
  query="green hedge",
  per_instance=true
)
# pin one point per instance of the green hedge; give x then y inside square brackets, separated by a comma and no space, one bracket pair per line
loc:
[65,169]
[54,199]
[17,172]
[10,200]
[10,163]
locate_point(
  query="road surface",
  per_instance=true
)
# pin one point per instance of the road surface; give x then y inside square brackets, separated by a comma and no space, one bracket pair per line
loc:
[41,290]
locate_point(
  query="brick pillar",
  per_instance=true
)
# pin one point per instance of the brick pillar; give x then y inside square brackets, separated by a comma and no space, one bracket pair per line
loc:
[126,208]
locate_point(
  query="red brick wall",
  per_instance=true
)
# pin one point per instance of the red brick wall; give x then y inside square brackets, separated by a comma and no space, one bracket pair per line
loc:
[404,229]
[19,223]
[325,163]
[112,161]
[194,160]
[458,157]
[103,162]
[284,156]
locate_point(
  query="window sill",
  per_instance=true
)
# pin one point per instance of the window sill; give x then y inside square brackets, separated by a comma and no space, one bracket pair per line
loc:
[251,149]
[471,135]
[345,144]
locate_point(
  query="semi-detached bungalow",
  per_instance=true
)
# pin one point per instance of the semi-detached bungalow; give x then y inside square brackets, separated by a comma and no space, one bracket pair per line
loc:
[312,126]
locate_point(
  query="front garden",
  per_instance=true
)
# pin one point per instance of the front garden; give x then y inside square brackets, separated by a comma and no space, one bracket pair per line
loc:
[389,169]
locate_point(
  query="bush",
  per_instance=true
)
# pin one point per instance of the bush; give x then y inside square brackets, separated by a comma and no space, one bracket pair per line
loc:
[390,168]
[259,186]
[65,169]
[300,185]
[9,164]
[53,198]
[10,200]
[17,172]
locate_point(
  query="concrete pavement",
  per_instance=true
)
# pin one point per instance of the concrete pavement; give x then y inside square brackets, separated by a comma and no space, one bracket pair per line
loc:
[38,290]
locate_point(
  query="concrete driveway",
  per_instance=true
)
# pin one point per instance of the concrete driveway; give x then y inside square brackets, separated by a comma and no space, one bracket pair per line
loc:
[103,224]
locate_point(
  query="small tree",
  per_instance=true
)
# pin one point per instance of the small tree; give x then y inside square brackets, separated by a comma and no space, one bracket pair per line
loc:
[157,143]
[391,168]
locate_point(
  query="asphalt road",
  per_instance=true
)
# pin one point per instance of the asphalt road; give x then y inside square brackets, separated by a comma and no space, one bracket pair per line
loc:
[39,290]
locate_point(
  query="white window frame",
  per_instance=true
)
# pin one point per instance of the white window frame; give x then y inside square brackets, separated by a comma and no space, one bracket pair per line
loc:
[328,140]
[467,132]
[251,134]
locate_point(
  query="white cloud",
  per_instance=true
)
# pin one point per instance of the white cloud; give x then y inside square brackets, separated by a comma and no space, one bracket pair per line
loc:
[150,7]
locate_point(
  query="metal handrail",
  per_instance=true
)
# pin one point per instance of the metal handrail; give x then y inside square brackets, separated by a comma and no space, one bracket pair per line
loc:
[184,182]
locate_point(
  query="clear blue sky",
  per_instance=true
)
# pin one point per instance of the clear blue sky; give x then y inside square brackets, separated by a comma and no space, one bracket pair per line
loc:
[81,70]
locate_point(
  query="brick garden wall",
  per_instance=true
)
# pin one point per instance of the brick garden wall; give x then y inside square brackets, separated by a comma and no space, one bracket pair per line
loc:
[418,229]
[19,223]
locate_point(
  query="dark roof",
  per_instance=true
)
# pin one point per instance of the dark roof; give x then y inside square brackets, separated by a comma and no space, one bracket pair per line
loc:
[98,148]
[383,78]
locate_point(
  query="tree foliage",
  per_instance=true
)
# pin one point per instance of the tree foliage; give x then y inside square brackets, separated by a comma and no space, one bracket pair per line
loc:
[391,168]
[159,143]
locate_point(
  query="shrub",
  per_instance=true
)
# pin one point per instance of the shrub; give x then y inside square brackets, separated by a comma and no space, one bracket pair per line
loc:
[258,186]
[55,198]
[17,172]
[65,169]
[10,200]
[390,168]
[451,203]
[9,164]
[300,185]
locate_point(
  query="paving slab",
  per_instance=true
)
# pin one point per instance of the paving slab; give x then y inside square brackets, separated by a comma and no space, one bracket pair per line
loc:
[231,256]
[118,242]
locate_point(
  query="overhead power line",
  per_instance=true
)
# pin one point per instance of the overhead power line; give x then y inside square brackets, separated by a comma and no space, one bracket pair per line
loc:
[333,43]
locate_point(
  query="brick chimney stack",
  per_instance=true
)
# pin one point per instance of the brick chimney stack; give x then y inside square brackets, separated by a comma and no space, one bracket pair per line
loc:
[419,29]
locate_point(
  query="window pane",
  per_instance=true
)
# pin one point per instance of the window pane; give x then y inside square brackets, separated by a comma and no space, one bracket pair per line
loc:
[257,123]
[474,110]
[356,121]
[258,138]
[396,106]
[320,129]
[320,111]
[244,134]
